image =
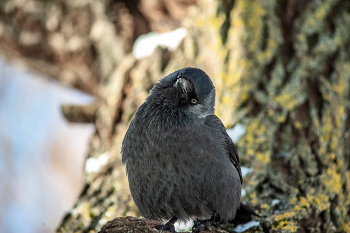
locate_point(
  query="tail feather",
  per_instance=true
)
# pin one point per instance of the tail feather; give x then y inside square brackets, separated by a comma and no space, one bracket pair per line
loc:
[243,215]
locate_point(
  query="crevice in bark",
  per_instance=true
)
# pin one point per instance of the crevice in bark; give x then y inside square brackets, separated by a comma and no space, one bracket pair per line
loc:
[225,7]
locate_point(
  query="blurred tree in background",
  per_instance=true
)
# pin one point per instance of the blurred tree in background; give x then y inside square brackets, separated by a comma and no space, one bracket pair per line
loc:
[281,68]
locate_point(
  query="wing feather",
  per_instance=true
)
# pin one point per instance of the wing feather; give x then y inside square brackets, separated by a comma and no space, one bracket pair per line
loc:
[216,123]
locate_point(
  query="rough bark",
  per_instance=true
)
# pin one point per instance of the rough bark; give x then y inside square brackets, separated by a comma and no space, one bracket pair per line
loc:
[134,225]
[281,68]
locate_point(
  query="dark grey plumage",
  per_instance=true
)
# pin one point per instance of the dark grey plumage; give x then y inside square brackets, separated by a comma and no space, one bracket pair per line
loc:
[180,162]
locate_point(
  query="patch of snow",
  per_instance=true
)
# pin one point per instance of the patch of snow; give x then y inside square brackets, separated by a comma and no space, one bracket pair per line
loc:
[236,132]
[244,227]
[146,44]
[246,170]
[95,164]
[275,201]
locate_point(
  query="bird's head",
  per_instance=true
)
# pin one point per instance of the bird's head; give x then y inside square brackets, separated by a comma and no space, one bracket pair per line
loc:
[187,89]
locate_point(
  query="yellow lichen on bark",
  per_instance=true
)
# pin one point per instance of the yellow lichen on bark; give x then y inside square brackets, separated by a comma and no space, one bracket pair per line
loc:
[300,102]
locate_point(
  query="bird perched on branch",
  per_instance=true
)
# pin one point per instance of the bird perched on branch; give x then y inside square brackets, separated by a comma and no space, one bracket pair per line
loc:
[181,163]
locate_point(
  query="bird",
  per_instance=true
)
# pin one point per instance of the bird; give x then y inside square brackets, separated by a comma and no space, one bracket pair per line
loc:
[180,162]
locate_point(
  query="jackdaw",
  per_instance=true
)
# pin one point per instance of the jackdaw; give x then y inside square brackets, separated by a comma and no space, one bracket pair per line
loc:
[181,163]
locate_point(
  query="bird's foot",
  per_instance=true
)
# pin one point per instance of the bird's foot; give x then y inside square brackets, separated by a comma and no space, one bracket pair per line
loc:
[202,225]
[199,226]
[169,226]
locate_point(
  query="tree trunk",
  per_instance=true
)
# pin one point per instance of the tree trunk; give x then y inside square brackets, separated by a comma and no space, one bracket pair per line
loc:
[281,68]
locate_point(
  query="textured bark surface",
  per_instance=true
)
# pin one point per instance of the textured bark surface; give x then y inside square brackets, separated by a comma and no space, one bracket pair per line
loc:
[132,224]
[281,68]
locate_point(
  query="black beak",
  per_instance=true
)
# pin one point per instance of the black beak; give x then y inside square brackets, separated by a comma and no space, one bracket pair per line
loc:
[184,86]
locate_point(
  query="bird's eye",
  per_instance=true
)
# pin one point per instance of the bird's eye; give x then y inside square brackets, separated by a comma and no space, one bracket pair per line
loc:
[193,101]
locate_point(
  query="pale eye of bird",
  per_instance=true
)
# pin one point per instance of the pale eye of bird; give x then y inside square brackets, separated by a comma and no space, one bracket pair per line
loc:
[193,101]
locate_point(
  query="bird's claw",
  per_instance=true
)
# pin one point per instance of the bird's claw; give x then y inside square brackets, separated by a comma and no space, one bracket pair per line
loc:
[202,225]
[198,227]
[167,227]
